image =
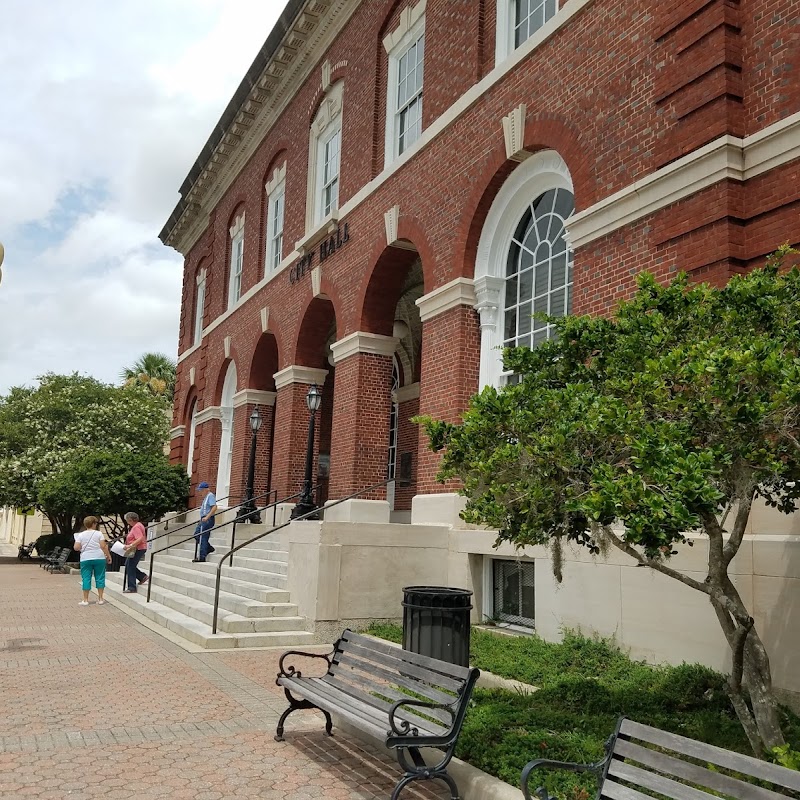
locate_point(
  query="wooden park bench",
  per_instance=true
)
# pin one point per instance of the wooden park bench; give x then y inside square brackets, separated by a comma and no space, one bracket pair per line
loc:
[406,700]
[644,762]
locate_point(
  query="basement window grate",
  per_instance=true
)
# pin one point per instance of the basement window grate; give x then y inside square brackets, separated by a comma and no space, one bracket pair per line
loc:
[513,592]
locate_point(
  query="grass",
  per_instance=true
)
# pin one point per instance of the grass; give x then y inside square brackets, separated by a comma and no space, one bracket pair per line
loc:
[585,684]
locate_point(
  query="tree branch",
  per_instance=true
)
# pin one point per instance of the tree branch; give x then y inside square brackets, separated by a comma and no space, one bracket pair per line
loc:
[737,649]
[739,527]
[658,566]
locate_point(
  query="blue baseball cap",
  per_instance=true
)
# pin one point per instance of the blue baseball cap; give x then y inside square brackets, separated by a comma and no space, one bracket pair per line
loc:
[202,485]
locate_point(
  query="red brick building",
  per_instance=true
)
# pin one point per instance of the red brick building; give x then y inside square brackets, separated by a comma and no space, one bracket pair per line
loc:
[398,184]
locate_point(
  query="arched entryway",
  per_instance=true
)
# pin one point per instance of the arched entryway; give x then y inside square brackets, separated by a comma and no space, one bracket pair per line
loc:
[226,442]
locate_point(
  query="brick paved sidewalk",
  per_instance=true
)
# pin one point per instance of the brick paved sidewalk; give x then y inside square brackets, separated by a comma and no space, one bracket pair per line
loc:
[194,727]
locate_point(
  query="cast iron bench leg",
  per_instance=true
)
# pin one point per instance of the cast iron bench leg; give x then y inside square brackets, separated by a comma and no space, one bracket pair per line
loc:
[295,705]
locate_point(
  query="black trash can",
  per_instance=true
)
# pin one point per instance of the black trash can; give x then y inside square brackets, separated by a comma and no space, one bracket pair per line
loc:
[436,622]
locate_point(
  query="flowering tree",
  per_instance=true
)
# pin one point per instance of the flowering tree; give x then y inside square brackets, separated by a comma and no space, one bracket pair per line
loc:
[630,432]
[47,428]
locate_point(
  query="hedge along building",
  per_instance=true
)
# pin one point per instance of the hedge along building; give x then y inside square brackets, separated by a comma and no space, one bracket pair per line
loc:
[392,191]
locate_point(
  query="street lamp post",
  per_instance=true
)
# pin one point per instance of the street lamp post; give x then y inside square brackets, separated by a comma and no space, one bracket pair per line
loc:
[248,511]
[306,502]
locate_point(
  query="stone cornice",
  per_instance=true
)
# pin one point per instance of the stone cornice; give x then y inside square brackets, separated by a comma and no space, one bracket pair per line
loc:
[360,342]
[253,397]
[177,432]
[406,393]
[311,32]
[459,292]
[207,414]
[299,374]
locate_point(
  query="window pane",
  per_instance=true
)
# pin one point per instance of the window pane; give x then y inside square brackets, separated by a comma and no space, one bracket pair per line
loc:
[541,280]
[529,16]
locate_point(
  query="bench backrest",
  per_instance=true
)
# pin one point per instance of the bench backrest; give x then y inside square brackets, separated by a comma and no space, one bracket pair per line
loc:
[380,674]
[679,769]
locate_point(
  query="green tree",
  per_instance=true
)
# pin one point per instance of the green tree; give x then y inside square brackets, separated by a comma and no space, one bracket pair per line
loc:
[46,428]
[630,432]
[112,483]
[155,372]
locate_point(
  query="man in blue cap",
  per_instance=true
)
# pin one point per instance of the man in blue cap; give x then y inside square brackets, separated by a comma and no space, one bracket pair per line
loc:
[208,508]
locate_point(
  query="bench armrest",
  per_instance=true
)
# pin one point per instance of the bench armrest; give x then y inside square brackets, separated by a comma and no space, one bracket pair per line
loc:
[402,727]
[543,763]
[290,671]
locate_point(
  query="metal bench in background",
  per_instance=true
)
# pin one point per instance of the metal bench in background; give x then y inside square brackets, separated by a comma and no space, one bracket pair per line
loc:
[644,762]
[406,700]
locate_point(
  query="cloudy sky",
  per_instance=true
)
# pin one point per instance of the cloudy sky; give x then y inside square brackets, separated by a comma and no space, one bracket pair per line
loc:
[104,107]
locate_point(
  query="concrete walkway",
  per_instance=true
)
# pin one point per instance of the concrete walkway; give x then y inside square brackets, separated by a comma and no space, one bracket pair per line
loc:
[94,705]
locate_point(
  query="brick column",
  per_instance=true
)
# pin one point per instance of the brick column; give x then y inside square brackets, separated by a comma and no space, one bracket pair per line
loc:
[244,403]
[360,439]
[450,366]
[291,426]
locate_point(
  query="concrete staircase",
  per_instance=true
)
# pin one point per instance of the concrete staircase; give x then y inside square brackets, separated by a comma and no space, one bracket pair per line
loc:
[254,604]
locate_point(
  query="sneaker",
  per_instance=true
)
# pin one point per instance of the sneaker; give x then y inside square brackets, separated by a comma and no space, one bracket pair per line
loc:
[83,603]
[212,549]
[129,591]
[102,602]
[144,580]
[198,561]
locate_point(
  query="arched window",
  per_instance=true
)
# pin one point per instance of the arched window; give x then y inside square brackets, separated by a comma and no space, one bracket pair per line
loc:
[226,438]
[538,270]
[524,261]
[192,435]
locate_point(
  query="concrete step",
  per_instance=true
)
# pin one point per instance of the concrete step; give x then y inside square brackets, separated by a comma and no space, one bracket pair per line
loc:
[201,610]
[254,550]
[200,634]
[257,574]
[253,591]
[244,606]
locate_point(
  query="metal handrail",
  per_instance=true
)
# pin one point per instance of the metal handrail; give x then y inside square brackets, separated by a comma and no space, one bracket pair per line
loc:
[194,524]
[308,514]
[232,522]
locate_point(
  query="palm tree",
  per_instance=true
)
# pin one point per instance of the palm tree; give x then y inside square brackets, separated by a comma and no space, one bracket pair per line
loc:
[154,372]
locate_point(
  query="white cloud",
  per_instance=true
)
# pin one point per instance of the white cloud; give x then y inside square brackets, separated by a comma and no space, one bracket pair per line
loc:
[105,106]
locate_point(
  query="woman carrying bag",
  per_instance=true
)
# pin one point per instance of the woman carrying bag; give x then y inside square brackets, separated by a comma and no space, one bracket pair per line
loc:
[135,548]
[91,544]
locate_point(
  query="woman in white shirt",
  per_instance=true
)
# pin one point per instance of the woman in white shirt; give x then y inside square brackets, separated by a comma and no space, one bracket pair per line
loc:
[91,544]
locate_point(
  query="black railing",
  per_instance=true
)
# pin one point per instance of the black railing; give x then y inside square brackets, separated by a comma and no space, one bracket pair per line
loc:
[233,522]
[307,515]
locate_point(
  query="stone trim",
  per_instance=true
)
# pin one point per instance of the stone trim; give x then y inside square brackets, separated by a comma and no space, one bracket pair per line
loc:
[254,397]
[459,292]
[299,374]
[177,432]
[318,232]
[186,353]
[514,133]
[207,414]
[727,157]
[191,376]
[278,177]
[360,342]
[406,393]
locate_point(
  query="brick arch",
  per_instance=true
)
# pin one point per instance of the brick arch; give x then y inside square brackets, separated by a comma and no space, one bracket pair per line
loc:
[264,363]
[192,396]
[280,150]
[541,133]
[381,288]
[316,321]
[222,372]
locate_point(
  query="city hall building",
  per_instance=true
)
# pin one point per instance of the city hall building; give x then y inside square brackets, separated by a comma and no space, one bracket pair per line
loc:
[394,188]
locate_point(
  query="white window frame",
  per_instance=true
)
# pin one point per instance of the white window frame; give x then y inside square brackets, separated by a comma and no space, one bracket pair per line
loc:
[237,261]
[537,174]
[326,124]
[329,205]
[192,439]
[276,211]
[199,307]
[505,28]
[409,31]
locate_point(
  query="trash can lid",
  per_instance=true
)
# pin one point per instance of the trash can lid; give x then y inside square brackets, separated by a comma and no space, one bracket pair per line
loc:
[436,590]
